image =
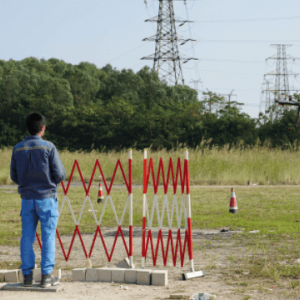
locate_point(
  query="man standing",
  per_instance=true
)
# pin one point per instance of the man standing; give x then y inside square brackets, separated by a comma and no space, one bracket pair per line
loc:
[37,169]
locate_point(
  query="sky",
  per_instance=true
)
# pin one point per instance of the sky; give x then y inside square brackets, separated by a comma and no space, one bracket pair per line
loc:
[233,38]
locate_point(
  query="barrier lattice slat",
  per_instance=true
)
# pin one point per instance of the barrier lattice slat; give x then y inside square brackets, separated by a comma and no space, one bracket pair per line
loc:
[108,199]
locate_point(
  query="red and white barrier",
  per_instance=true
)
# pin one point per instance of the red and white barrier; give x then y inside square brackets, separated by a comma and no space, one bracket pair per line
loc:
[108,200]
[177,209]
[183,212]
[144,210]
[189,212]
[130,254]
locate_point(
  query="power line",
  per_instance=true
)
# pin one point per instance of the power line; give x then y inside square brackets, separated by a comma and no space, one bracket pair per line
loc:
[250,104]
[247,41]
[218,89]
[232,60]
[225,88]
[229,72]
[248,20]
[125,53]
[193,47]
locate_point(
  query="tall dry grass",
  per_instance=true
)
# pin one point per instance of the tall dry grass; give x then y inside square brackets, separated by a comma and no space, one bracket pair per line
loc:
[213,166]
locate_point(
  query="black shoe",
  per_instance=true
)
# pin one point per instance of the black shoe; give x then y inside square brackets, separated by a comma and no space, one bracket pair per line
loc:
[28,279]
[49,280]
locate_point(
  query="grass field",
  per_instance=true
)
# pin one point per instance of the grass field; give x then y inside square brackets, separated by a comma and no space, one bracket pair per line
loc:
[274,211]
[207,167]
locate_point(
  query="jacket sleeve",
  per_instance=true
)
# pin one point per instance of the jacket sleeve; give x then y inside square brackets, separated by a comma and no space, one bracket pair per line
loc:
[58,171]
[13,170]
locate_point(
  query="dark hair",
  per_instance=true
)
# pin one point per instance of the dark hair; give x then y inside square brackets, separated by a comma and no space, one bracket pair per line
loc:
[34,123]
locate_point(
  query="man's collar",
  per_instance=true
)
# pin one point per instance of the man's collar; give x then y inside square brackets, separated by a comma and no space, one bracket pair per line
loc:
[33,137]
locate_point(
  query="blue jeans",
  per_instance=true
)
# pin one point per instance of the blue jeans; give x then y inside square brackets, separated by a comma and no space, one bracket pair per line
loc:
[45,211]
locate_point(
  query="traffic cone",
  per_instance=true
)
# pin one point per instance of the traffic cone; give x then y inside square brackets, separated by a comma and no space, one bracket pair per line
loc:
[100,194]
[233,208]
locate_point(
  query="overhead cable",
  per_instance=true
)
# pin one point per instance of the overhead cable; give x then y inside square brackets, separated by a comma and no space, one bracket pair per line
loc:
[248,20]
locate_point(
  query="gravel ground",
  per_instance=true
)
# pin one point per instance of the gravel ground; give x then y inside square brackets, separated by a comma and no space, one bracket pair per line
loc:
[213,282]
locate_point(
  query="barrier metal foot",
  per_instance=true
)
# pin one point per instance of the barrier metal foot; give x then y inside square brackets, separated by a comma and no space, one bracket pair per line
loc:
[191,275]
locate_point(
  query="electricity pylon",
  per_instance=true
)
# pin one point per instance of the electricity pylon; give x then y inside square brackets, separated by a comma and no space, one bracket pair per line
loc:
[167,60]
[196,82]
[229,97]
[281,89]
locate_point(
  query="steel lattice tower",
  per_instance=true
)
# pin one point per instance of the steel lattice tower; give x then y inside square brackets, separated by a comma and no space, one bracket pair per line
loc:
[167,60]
[281,89]
[282,79]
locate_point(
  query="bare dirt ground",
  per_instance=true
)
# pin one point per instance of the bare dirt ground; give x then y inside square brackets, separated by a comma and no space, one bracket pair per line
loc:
[211,251]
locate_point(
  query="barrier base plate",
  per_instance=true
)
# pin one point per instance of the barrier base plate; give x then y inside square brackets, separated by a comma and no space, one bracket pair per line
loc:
[192,275]
[34,288]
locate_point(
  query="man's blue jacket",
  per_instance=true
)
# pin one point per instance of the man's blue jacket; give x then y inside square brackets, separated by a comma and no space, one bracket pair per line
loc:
[37,169]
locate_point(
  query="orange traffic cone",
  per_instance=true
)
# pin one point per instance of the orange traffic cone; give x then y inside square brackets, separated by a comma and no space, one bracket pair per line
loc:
[100,194]
[233,208]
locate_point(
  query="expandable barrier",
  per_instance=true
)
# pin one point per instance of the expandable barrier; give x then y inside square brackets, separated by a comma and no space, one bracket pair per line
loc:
[185,211]
[182,211]
[108,199]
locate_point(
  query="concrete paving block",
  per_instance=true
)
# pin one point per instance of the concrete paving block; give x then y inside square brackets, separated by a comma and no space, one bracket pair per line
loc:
[21,278]
[160,278]
[12,276]
[105,275]
[92,274]
[130,276]
[144,277]
[118,275]
[57,273]
[37,275]
[78,274]
[124,264]
[2,275]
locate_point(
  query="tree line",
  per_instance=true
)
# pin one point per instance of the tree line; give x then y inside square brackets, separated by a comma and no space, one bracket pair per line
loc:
[104,108]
